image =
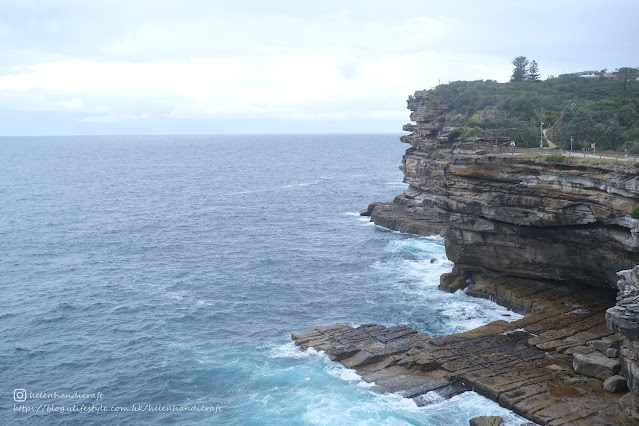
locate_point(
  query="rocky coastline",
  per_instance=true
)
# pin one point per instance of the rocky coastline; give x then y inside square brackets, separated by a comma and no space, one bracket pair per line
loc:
[553,241]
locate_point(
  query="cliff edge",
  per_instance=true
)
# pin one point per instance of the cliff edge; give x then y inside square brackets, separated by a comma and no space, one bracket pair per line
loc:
[518,220]
[507,212]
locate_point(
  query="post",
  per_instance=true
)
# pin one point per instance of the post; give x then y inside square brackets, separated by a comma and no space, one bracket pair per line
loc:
[541,135]
[571,144]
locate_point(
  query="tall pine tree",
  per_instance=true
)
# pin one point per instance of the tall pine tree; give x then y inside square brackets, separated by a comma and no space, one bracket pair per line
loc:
[533,71]
[627,75]
[520,72]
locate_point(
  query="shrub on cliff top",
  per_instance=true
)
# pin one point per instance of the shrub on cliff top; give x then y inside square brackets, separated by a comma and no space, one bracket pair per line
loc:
[637,165]
[588,109]
[555,158]
[635,213]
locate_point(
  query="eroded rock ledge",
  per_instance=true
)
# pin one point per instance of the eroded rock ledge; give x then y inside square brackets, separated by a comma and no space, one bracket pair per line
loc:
[526,365]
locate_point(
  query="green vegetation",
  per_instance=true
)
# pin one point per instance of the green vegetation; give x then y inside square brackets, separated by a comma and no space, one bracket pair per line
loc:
[533,71]
[482,152]
[433,149]
[524,70]
[627,76]
[555,158]
[635,213]
[598,160]
[521,68]
[600,110]
[636,165]
[455,134]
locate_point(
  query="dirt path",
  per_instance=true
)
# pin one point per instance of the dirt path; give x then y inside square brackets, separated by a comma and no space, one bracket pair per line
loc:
[548,141]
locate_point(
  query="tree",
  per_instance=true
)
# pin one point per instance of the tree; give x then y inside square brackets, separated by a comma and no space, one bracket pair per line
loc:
[627,75]
[533,71]
[521,68]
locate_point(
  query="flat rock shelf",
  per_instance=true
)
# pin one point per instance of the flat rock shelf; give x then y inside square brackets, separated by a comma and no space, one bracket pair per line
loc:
[526,365]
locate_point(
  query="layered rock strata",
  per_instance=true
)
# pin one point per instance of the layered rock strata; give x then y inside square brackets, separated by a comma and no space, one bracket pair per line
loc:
[544,239]
[525,365]
[510,213]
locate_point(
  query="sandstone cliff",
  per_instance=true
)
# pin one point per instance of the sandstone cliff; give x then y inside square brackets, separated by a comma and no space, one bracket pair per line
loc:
[512,222]
[504,211]
[546,239]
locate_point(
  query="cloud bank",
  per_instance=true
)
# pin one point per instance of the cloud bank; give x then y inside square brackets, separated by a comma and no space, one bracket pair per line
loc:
[250,66]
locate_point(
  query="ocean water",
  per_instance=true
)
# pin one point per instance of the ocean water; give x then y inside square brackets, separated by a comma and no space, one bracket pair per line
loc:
[157,279]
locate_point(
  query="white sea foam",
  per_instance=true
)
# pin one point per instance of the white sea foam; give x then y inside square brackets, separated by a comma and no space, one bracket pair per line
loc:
[430,398]
[418,245]
[363,220]
[413,269]
[338,395]
[301,184]
[362,408]
[342,373]
[290,350]
[174,295]
[471,404]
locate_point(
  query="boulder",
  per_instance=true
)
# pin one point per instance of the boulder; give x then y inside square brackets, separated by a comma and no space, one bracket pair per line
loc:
[602,345]
[487,421]
[615,384]
[612,353]
[595,365]
[453,281]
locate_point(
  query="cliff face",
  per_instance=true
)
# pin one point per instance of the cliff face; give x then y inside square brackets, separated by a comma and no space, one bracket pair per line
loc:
[546,239]
[510,213]
[624,319]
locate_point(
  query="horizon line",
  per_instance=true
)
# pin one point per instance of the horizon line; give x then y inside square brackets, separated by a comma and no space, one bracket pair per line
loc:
[204,134]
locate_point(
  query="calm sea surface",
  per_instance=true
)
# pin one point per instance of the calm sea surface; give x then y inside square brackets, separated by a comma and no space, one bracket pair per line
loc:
[157,279]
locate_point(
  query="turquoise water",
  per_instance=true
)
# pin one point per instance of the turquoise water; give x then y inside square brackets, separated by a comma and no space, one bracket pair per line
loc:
[160,277]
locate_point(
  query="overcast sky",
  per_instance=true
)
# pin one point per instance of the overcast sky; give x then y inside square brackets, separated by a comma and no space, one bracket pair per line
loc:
[277,66]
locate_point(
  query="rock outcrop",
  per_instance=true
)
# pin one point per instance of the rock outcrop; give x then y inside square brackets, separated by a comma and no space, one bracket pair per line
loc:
[624,319]
[525,365]
[510,213]
[543,238]
[487,421]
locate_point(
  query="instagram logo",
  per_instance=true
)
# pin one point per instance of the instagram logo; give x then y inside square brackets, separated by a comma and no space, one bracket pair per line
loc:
[19,395]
